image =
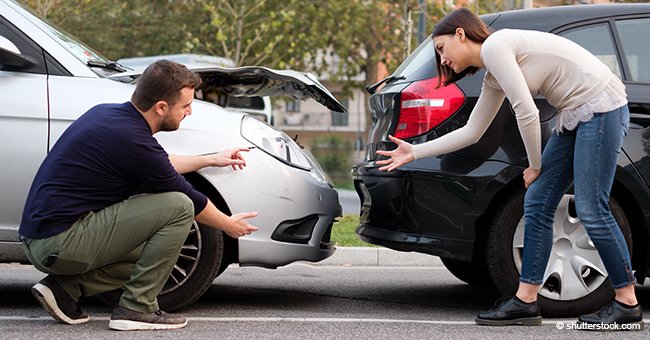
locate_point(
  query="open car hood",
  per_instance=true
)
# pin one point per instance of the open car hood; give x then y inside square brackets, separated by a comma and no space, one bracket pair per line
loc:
[258,81]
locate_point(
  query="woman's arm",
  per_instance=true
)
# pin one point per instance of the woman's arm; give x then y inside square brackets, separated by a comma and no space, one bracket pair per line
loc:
[486,108]
[500,60]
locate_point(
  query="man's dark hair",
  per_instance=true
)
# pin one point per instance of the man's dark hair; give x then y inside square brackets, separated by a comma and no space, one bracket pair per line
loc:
[162,80]
[475,30]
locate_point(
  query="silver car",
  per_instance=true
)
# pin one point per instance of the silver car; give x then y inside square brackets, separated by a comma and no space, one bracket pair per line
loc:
[48,79]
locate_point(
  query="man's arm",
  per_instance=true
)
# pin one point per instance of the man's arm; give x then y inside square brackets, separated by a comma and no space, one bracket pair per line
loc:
[230,157]
[235,225]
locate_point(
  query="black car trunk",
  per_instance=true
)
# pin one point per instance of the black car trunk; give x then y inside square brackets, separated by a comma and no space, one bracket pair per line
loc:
[384,111]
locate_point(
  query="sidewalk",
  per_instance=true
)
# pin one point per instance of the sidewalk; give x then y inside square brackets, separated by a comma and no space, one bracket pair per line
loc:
[378,257]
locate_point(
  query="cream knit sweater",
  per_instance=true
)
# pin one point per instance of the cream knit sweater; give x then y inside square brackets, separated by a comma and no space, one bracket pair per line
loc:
[521,65]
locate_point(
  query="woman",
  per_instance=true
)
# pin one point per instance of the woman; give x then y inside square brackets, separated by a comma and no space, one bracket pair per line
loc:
[592,122]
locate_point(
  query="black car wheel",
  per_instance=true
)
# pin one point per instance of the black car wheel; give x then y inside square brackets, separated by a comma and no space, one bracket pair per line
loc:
[474,273]
[575,281]
[196,268]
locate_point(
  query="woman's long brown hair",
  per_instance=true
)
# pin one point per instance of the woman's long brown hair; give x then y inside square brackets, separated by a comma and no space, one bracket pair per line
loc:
[475,30]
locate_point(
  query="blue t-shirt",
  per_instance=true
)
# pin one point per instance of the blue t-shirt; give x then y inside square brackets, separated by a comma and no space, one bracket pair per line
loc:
[104,157]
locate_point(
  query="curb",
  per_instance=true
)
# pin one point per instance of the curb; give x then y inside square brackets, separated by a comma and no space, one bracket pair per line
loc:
[379,257]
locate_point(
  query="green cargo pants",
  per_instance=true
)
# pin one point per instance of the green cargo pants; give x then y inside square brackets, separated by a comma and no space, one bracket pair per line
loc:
[132,245]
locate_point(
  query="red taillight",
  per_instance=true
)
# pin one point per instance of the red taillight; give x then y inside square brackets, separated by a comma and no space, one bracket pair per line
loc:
[423,107]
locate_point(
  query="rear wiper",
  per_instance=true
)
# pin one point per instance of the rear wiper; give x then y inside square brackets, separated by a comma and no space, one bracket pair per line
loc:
[111,65]
[372,88]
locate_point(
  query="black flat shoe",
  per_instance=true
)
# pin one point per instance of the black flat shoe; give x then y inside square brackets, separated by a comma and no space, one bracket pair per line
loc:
[615,313]
[511,311]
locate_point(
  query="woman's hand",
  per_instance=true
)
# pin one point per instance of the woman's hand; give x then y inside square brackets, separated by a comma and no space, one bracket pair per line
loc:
[530,175]
[398,157]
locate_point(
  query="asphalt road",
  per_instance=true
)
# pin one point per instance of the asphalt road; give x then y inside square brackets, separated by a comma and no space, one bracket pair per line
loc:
[304,302]
[350,201]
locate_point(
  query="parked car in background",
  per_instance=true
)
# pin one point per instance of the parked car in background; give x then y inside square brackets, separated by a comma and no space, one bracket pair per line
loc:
[48,79]
[466,206]
[256,106]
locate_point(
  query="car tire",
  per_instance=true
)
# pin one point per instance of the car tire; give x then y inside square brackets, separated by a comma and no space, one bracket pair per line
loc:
[196,268]
[474,273]
[504,260]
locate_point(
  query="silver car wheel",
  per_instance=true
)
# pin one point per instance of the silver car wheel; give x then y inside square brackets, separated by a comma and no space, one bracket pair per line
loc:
[187,261]
[574,268]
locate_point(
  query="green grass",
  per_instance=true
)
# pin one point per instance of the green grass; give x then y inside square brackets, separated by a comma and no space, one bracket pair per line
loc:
[343,232]
[343,182]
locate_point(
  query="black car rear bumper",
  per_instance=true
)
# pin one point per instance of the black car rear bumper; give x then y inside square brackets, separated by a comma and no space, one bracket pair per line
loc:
[434,212]
[443,247]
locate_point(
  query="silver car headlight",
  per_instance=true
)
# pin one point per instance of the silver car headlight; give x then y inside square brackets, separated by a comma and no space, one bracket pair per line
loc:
[277,144]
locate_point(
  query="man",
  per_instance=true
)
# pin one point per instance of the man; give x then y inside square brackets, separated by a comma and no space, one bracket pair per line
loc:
[109,209]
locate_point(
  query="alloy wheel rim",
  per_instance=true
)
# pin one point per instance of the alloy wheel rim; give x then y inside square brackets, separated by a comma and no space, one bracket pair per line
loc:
[187,261]
[574,268]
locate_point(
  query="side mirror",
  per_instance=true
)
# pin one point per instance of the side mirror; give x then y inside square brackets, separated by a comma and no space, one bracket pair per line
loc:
[11,58]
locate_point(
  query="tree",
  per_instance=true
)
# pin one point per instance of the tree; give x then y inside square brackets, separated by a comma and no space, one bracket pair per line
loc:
[301,34]
[332,38]
[123,28]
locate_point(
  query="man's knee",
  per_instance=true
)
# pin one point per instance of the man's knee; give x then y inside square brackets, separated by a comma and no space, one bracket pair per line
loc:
[181,202]
[178,199]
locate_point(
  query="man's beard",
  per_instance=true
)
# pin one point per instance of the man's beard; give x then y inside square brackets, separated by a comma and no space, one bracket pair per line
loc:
[169,125]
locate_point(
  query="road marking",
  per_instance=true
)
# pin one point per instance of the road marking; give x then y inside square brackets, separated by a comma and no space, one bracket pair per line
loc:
[264,319]
[325,320]
[307,320]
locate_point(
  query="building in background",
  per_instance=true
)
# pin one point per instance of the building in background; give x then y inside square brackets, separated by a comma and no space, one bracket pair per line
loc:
[309,121]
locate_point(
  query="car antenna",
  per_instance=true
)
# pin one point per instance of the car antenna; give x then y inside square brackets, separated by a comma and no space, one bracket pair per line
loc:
[295,139]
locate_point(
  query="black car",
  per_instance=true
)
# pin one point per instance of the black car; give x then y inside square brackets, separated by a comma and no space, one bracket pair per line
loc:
[466,206]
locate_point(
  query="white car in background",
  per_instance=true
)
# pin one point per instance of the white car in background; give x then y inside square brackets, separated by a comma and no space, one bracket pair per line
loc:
[48,79]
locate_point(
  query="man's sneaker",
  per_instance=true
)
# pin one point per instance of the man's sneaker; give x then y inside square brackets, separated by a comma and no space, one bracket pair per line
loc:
[57,302]
[615,313]
[511,311]
[124,319]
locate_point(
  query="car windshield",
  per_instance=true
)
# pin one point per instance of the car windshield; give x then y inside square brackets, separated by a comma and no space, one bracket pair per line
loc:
[84,53]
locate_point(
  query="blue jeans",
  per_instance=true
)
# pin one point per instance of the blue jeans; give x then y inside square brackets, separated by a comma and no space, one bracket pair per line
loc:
[586,157]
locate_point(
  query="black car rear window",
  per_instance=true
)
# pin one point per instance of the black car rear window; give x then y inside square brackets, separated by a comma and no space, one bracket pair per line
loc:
[421,64]
[634,35]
